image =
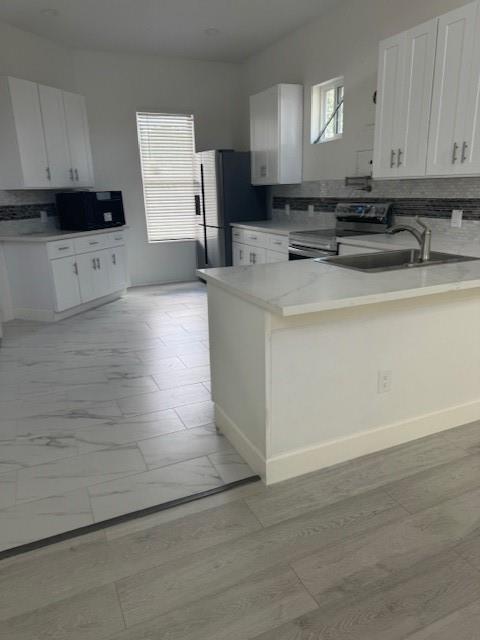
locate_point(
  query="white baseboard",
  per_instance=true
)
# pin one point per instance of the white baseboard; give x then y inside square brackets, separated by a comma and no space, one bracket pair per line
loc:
[48,315]
[242,444]
[326,454]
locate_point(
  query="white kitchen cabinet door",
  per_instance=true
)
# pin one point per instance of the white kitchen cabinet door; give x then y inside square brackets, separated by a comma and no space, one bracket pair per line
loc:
[416,99]
[452,91]
[276,256]
[78,139]
[87,273]
[276,135]
[30,135]
[65,282]
[390,74]
[403,102]
[238,251]
[255,255]
[102,285]
[469,140]
[53,117]
[117,268]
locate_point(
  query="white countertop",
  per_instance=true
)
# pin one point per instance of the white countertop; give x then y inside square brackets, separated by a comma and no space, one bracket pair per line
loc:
[305,286]
[450,243]
[49,236]
[280,228]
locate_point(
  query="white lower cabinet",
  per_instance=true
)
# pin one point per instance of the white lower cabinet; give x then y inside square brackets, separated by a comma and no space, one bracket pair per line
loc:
[50,278]
[66,284]
[254,247]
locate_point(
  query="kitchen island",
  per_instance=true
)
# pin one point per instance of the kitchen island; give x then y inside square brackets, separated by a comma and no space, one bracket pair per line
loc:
[313,364]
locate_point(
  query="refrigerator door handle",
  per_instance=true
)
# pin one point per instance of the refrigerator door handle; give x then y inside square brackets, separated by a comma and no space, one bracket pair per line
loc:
[198,206]
[203,212]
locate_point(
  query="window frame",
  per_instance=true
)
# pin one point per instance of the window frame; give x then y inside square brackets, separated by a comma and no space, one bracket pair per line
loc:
[191,237]
[319,109]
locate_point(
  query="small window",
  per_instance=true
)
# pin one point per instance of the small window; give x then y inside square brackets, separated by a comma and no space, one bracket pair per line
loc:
[167,155]
[327,111]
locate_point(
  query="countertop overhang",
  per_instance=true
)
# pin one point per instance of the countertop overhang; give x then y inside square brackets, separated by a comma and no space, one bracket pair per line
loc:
[306,286]
[51,236]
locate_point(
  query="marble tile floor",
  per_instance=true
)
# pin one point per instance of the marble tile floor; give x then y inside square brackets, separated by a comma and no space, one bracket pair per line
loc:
[107,413]
[385,547]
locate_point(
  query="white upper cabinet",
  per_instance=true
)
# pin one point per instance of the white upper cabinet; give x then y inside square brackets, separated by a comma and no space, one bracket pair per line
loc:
[53,118]
[454,108]
[78,138]
[24,131]
[404,94]
[44,137]
[276,135]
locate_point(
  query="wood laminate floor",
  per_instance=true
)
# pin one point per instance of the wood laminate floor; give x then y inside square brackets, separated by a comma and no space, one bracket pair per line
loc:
[386,547]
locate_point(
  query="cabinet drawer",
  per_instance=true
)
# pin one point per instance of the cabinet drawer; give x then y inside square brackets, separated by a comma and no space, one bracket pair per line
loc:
[238,234]
[60,249]
[115,239]
[255,239]
[278,243]
[90,243]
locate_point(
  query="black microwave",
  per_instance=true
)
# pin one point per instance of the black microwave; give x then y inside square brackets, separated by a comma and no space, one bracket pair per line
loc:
[87,210]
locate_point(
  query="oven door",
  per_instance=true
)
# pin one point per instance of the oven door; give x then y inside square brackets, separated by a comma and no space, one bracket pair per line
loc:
[298,252]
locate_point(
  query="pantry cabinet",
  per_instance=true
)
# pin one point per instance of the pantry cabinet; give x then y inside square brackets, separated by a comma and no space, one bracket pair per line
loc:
[404,98]
[45,137]
[276,135]
[52,279]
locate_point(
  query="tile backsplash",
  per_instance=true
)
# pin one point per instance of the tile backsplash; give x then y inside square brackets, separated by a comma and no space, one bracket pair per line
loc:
[433,197]
[20,211]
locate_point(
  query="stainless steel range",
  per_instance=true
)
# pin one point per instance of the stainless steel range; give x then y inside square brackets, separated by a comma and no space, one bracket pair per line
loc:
[352,219]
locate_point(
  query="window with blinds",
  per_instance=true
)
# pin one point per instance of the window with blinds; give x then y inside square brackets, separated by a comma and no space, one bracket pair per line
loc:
[167,155]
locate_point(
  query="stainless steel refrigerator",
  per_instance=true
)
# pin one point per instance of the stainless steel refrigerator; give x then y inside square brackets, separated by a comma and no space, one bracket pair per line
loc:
[225,195]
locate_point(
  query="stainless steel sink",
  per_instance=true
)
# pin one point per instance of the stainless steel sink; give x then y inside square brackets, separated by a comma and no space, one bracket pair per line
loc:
[391,260]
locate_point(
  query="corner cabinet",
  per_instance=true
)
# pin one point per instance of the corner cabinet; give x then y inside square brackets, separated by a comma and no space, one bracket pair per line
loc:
[276,135]
[428,99]
[54,279]
[45,137]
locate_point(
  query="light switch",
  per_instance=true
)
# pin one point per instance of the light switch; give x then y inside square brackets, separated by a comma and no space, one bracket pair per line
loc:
[457,216]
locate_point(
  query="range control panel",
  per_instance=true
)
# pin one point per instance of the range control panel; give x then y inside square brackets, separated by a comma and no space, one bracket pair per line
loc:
[368,211]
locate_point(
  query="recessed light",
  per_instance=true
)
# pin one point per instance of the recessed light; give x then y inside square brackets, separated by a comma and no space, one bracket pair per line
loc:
[52,13]
[212,32]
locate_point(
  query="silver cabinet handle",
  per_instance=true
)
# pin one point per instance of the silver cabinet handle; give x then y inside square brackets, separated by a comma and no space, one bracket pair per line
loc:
[75,268]
[254,258]
[454,153]
[99,266]
[49,174]
[392,158]
[76,175]
[114,258]
[278,243]
[464,151]
[399,158]
[263,171]
[94,262]
[71,174]
[63,248]
[240,254]
[93,242]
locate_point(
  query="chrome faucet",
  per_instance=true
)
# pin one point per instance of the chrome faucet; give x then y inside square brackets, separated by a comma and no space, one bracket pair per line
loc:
[424,237]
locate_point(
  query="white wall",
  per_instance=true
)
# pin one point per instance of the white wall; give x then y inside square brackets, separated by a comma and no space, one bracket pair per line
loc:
[116,86]
[344,42]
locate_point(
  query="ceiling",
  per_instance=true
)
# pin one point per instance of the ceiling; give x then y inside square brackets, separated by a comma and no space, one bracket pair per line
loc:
[224,30]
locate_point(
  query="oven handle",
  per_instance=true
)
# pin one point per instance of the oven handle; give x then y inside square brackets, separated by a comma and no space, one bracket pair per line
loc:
[309,253]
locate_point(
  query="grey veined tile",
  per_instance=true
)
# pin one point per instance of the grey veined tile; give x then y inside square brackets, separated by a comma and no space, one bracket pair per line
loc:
[39,519]
[161,400]
[81,471]
[111,390]
[8,487]
[230,466]
[182,445]
[197,414]
[152,488]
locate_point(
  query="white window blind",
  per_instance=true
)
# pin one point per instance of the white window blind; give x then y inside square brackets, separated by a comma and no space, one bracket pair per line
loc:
[167,155]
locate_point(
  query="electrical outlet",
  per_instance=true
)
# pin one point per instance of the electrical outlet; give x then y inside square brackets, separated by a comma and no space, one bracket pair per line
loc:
[457,216]
[384,381]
